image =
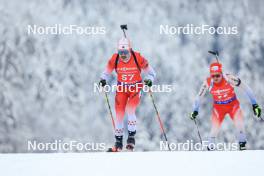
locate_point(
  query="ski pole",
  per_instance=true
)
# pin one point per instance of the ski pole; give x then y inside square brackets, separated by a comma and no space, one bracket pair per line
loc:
[198,131]
[110,111]
[159,119]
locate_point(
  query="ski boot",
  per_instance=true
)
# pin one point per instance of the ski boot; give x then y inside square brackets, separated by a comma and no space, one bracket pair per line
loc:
[118,145]
[242,145]
[210,148]
[131,141]
[211,144]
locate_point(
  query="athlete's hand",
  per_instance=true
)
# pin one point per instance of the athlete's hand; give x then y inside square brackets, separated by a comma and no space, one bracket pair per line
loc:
[193,115]
[102,82]
[148,82]
[256,110]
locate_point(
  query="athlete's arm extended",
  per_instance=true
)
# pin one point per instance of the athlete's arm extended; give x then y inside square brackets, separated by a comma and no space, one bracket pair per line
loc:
[236,82]
[201,93]
[109,68]
[146,68]
[150,73]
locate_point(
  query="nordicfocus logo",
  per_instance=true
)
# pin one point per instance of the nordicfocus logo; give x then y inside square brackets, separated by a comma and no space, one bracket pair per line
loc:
[62,146]
[191,29]
[135,88]
[59,29]
[190,145]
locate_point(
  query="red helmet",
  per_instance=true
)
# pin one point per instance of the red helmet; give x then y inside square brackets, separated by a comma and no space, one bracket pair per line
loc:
[216,67]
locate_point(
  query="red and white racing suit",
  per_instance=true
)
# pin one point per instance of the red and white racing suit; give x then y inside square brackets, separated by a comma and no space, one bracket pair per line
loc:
[129,78]
[225,102]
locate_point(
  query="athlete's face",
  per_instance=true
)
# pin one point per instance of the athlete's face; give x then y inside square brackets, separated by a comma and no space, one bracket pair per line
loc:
[124,54]
[217,77]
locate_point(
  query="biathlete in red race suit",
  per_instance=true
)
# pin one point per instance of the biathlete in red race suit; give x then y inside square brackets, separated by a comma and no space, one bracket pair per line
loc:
[221,86]
[128,65]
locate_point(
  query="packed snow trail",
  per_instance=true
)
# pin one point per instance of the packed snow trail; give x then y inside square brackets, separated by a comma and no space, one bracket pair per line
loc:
[243,163]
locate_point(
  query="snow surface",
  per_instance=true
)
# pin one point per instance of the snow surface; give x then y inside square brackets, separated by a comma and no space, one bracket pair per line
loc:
[134,164]
[46,81]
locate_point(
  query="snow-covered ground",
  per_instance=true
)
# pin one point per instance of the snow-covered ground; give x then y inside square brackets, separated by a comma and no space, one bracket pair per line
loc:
[47,81]
[134,164]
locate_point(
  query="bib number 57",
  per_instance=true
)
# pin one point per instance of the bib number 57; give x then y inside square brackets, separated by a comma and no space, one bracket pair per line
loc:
[127,77]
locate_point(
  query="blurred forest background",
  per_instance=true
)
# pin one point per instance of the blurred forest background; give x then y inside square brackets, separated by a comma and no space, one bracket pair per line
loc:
[47,81]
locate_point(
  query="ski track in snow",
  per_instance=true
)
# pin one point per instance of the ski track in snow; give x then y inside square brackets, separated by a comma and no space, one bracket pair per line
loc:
[133,164]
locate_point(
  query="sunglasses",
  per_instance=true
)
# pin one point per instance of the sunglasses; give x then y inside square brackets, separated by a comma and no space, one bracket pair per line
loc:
[123,52]
[216,76]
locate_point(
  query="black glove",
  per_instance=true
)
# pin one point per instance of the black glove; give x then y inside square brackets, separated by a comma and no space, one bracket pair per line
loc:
[256,110]
[193,115]
[148,82]
[102,82]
